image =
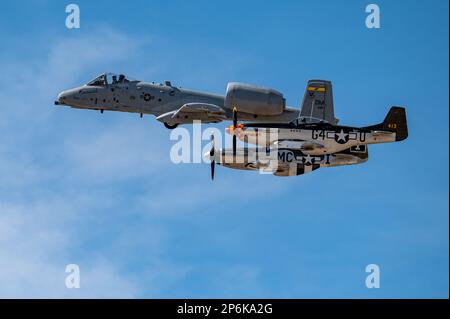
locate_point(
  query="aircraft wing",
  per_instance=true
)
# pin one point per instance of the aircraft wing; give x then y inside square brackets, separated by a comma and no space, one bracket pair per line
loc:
[317,104]
[208,113]
[282,168]
[298,145]
[294,169]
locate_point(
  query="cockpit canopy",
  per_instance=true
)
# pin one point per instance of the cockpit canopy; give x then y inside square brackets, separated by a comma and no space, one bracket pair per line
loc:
[108,78]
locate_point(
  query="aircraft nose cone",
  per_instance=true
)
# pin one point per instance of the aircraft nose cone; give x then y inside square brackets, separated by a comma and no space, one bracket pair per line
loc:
[60,99]
[66,97]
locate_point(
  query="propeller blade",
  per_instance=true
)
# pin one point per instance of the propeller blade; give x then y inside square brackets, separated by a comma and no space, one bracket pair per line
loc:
[212,151]
[234,128]
[211,154]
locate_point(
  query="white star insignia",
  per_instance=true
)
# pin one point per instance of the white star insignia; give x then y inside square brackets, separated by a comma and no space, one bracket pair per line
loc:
[341,136]
[308,159]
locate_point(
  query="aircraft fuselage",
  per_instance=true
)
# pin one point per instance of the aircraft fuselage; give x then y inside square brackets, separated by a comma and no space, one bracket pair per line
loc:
[135,97]
[313,139]
[285,161]
[171,105]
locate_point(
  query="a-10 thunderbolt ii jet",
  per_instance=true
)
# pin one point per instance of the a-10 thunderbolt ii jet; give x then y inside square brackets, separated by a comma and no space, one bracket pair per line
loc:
[174,105]
[307,143]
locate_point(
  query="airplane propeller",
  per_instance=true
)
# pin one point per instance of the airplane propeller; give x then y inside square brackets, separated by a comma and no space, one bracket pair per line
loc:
[211,155]
[234,128]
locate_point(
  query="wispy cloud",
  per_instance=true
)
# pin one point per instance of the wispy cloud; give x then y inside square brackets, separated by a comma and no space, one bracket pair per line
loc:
[43,214]
[66,176]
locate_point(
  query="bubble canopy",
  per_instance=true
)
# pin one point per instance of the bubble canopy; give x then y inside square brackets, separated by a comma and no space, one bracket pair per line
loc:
[108,78]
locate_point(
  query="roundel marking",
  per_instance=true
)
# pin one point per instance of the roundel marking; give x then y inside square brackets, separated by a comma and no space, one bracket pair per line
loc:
[147,97]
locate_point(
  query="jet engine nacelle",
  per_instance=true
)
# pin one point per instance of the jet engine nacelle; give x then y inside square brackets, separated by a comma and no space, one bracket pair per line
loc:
[254,100]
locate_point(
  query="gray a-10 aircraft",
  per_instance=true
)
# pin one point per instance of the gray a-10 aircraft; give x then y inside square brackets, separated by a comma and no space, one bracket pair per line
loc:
[307,143]
[174,105]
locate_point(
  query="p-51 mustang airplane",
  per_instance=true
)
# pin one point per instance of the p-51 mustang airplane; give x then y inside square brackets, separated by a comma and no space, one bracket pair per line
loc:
[174,105]
[307,143]
[283,161]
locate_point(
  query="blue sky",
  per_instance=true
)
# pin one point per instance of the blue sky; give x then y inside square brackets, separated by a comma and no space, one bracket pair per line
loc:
[100,190]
